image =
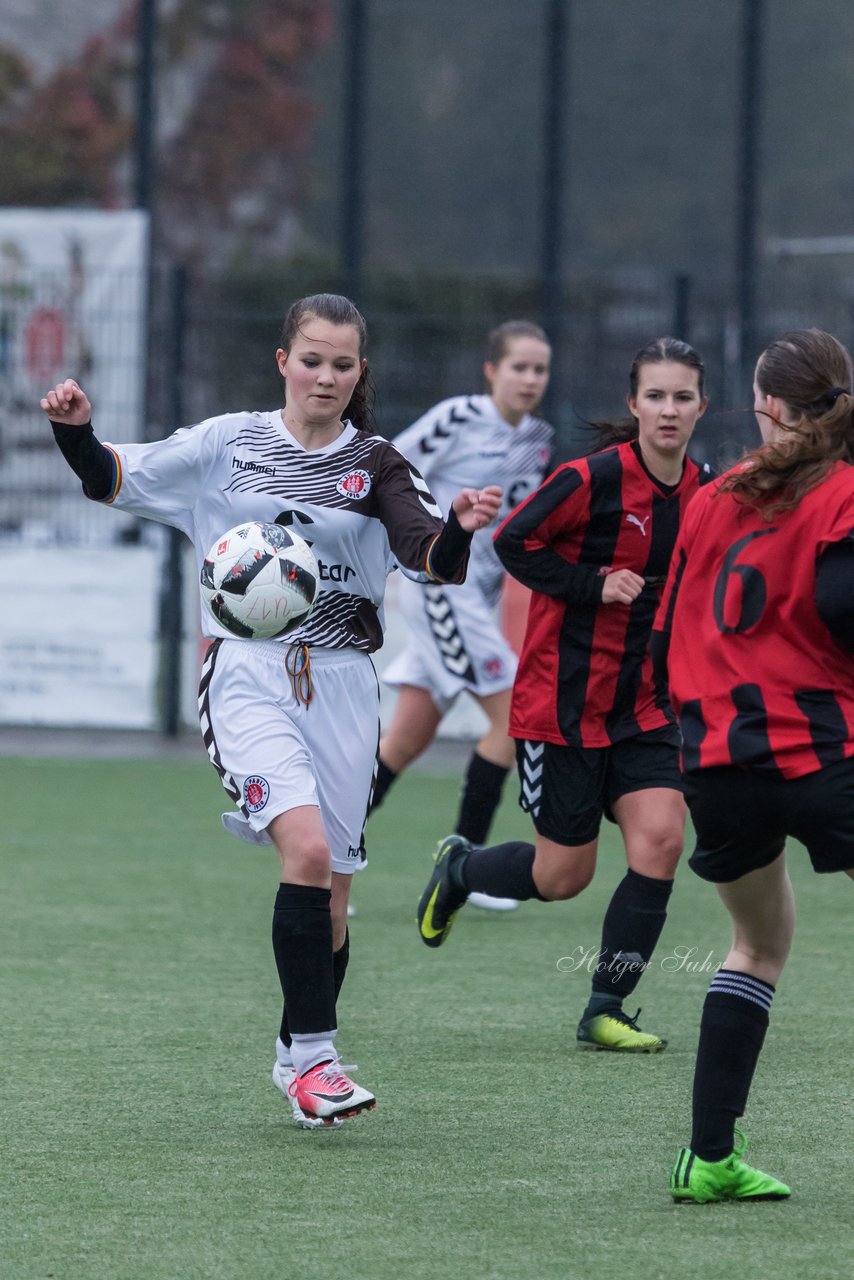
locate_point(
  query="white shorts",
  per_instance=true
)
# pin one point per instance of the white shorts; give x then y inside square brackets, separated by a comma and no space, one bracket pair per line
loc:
[273,753]
[457,644]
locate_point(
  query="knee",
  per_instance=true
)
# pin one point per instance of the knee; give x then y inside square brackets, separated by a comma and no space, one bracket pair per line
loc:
[658,856]
[558,884]
[308,862]
[764,960]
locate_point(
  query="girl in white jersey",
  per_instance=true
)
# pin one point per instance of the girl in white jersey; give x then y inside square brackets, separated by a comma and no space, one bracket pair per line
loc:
[291,726]
[457,644]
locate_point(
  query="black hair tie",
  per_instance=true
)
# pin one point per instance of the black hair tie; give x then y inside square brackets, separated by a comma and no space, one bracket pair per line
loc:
[834,393]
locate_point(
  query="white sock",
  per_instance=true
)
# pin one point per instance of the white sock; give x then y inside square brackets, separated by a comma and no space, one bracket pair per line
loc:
[309,1050]
[283,1055]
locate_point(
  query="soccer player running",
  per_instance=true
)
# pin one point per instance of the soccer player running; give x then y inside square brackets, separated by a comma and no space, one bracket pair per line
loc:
[291,725]
[756,634]
[593,734]
[456,642]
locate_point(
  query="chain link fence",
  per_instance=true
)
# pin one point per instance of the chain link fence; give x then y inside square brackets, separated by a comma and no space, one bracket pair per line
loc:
[211,353]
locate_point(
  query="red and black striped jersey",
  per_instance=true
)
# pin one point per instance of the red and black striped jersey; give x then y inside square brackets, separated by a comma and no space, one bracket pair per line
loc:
[756,676]
[585,676]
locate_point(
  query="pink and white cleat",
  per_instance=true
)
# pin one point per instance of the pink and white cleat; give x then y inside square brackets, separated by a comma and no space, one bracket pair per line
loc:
[283,1078]
[326,1092]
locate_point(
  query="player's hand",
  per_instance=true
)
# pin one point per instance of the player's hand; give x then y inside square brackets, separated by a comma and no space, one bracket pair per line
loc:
[67,403]
[621,586]
[476,508]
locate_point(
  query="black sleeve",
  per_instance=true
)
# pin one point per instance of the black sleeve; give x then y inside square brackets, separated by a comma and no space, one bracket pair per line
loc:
[541,568]
[88,458]
[449,551]
[834,591]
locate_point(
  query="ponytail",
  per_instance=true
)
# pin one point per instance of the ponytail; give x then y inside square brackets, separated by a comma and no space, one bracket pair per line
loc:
[811,372]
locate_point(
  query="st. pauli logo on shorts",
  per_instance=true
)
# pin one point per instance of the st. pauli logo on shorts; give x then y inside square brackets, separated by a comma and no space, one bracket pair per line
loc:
[256,793]
[356,484]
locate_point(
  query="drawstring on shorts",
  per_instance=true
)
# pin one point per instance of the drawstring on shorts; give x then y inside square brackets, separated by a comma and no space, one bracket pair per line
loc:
[298,667]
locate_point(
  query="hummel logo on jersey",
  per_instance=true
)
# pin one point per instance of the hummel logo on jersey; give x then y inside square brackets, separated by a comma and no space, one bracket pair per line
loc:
[241,465]
[641,524]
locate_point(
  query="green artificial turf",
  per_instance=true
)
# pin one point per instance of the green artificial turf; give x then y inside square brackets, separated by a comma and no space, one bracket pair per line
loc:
[143,1139]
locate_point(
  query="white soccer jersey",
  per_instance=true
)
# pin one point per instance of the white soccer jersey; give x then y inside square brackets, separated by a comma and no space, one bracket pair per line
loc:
[465,443]
[357,501]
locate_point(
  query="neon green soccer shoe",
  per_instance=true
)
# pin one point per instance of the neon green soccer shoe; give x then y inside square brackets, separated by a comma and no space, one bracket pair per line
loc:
[616,1031]
[442,899]
[697,1181]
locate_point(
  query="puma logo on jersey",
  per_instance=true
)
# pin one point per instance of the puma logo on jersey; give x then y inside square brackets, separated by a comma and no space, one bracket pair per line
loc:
[641,524]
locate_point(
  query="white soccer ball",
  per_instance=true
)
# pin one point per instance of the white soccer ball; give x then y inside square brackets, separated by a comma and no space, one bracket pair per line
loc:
[260,580]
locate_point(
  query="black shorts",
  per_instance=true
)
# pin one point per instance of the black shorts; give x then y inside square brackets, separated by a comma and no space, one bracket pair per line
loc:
[567,789]
[742,819]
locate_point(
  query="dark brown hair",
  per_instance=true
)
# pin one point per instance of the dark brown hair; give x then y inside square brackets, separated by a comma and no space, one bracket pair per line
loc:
[659,351]
[500,338]
[337,310]
[811,372]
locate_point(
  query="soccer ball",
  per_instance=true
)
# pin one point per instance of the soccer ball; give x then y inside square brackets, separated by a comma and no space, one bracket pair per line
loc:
[260,580]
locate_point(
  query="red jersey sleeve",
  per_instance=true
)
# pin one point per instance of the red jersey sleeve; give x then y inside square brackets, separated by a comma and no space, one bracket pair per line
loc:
[533,543]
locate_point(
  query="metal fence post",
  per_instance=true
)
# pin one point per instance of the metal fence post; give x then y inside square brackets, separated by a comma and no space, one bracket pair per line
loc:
[555,97]
[682,306]
[171,600]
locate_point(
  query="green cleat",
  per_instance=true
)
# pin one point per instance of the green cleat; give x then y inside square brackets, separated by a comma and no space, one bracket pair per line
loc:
[696,1181]
[442,899]
[618,1032]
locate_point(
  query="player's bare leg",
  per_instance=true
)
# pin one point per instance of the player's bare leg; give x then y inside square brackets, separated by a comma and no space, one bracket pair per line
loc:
[762,908]
[563,871]
[414,722]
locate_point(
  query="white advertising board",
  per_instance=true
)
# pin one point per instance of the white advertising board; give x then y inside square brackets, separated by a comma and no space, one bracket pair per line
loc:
[78,637]
[73,286]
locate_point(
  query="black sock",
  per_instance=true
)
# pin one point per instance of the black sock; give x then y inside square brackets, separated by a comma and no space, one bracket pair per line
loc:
[340,960]
[502,871]
[481,796]
[732,1030]
[385,777]
[630,931]
[302,945]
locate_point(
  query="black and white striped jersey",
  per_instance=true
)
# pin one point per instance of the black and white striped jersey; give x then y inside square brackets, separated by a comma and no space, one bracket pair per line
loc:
[357,501]
[465,443]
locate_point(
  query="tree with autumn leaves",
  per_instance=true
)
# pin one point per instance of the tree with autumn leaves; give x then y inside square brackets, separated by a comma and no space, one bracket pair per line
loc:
[234,119]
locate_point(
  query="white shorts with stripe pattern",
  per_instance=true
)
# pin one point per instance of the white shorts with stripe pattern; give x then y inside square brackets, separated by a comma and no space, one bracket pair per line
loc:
[273,753]
[456,644]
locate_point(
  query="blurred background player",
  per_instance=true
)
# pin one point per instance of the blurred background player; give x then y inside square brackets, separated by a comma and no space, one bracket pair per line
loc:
[758,614]
[291,725]
[593,734]
[456,641]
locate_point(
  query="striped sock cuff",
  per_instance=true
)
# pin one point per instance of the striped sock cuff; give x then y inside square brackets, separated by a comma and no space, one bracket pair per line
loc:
[729,982]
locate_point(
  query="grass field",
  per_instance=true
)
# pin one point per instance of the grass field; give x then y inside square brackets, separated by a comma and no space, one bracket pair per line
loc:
[144,1140]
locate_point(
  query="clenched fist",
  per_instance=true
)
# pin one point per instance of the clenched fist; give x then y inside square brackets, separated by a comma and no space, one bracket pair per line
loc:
[67,403]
